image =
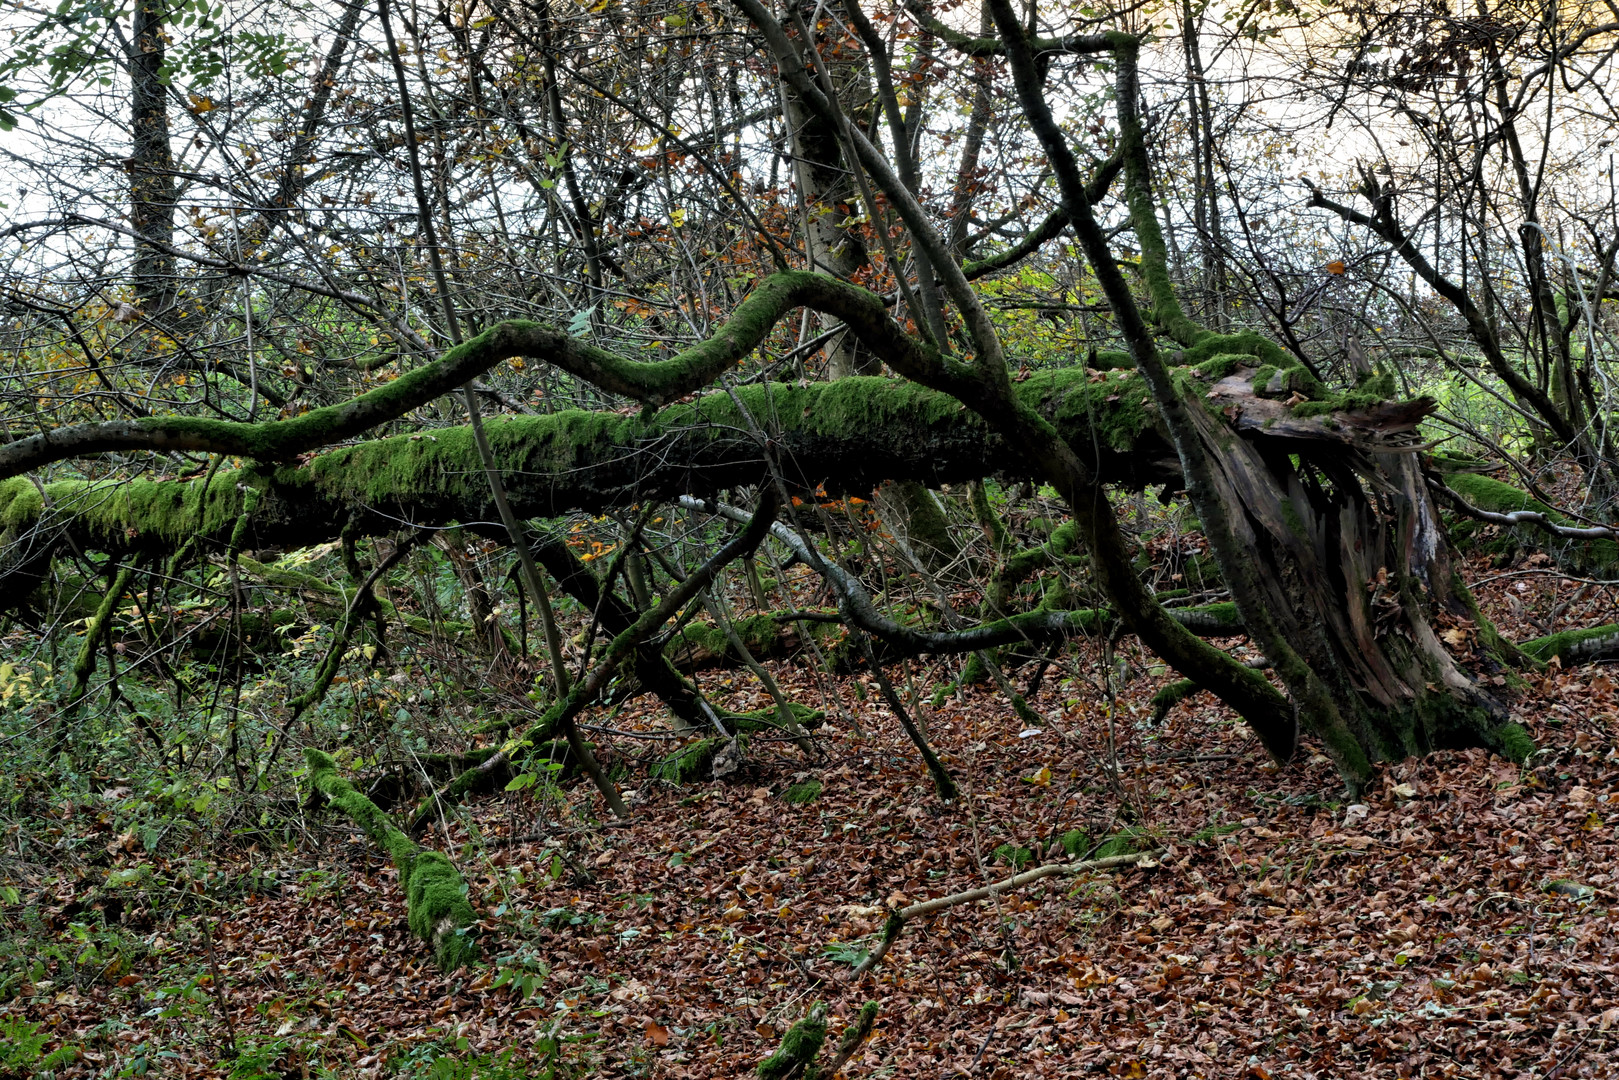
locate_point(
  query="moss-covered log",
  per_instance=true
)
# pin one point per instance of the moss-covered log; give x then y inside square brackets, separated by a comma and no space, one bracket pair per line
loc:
[1577,646]
[795,1057]
[435,892]
[851,436]
[1588,557]
[770,636]
[691,762]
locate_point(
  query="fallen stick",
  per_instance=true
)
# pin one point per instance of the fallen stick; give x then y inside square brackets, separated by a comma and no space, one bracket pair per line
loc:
[898,919]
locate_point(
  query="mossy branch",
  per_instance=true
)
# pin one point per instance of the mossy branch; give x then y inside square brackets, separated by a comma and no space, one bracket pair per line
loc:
[898,920]
[1592,549]
[435,891]
[853,1036]
[653,383]
[1054,225]
[853,434]
[795,1057]
[84,664]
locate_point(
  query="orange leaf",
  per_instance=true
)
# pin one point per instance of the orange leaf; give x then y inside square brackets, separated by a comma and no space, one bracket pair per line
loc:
[1335,267]
[657,1034]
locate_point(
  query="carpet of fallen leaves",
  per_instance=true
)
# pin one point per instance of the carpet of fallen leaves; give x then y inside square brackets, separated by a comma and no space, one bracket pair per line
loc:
[1455,923]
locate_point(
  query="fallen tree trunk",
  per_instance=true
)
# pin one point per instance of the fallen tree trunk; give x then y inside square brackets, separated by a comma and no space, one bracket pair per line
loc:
[1522,522]
[849,436]
[1577,646]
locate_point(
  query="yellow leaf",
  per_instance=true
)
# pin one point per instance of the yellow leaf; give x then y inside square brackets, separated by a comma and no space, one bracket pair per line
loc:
[1041,778]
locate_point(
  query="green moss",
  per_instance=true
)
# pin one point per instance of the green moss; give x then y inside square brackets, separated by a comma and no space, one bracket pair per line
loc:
[119,514]
[1225,353]
[1488,494]
[802,794]
[1116,409]
[1380,384]
[1126,841]
[441,466]
[1295,524]
[1512,742]
[1339,402]
[1170,696]
[798,1049]
[1012,855]
[1210,620]
[1272,381]
[445,460]
[436,899]
[926,527]
[986,517]
[769,719]
[1075,842]
[84,664]
[701,642]
[1597,558]
[691,762]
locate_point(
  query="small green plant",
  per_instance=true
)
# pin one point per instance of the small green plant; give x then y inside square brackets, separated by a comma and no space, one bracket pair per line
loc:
[560,918]
[258,1059]
[522,970]
[800,794]
[22,1050]
[852,953]
[447,1059]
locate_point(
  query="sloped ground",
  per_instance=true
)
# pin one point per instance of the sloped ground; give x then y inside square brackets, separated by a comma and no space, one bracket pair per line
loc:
[1457,923]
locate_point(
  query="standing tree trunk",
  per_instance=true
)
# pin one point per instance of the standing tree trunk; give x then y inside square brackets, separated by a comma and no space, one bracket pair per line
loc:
[151,162]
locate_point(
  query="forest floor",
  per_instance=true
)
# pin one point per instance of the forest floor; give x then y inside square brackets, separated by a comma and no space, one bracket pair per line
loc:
[1456,923]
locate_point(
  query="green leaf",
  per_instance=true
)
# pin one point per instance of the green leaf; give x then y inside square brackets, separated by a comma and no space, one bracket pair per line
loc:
[579,325]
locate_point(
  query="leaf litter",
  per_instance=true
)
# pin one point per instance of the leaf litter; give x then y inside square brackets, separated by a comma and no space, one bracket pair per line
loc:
[1456,922]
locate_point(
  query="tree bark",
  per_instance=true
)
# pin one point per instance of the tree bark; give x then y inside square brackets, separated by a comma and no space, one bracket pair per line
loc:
[152,194]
